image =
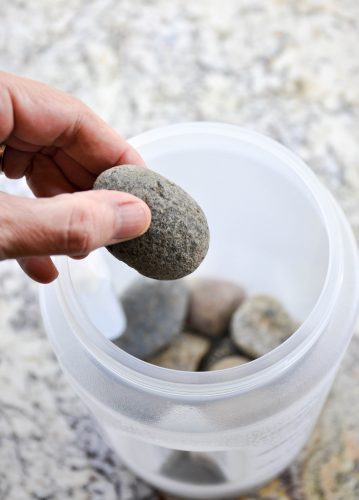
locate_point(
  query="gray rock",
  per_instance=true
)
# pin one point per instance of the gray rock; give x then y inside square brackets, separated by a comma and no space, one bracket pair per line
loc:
[212,303]
[178,238]
[220,349]
[155,312]
[184,353]
[229,362]
[260,325]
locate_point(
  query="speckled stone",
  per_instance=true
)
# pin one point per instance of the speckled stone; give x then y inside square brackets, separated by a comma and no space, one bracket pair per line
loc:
[184,353]
[155,312]
[212,303]
[178,238]
[221,348]
[229,362]
[260,325]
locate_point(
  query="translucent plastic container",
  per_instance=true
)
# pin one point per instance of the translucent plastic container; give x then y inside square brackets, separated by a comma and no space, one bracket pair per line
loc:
[274,228]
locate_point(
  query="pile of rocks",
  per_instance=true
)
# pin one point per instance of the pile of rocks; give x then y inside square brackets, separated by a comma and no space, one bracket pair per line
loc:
[201,324]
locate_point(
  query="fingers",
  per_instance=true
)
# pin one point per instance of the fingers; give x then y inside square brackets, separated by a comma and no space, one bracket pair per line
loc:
[36,114]
[15,162]
[70,224]
[42,172]
[84,179]
[45,179]
[40,269]
[43,176]
[96,145]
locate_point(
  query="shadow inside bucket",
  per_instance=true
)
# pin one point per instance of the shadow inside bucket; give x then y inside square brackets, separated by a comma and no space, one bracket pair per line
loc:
[192,467]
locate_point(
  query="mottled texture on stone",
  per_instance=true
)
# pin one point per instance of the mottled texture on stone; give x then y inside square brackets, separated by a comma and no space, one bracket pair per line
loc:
[229,362]
[221,348]
[184,353]
[178,237]
[155,312]
[212,303]
[260,325]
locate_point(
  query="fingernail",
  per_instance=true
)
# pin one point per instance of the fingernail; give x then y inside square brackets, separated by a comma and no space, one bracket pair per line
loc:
[133,220]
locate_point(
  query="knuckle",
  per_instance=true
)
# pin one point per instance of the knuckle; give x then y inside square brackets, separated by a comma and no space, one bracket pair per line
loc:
[79,233]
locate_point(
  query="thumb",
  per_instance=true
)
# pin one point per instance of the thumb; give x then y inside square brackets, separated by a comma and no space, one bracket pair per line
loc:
[69,224]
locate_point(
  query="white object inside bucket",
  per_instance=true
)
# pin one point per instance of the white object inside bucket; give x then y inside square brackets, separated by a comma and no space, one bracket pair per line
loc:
[92,281]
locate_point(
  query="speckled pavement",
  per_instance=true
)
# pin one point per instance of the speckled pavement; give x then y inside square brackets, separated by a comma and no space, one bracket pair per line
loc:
[288,69]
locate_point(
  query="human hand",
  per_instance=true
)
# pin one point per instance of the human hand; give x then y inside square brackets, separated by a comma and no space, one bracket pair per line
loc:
[60,146]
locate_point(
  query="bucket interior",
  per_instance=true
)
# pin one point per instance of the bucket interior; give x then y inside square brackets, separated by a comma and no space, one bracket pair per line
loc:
[266,230]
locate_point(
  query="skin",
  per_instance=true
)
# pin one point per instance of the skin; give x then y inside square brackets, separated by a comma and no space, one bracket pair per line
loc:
[60,146]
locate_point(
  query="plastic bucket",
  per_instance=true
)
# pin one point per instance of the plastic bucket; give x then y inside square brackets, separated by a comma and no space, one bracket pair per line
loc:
[274,228]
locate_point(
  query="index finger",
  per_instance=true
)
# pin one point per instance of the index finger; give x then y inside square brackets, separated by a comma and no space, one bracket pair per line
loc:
[37,114]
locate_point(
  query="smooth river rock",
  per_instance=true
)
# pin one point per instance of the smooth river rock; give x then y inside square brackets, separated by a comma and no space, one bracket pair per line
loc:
[260,325]
[155,312]
[212,303]
[220,349]
[229,362]
[184,353]
[178,237]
